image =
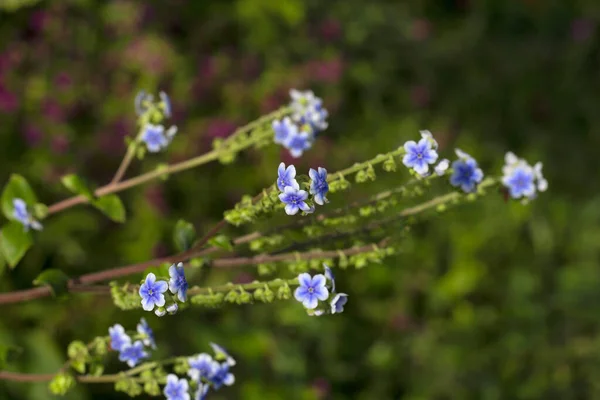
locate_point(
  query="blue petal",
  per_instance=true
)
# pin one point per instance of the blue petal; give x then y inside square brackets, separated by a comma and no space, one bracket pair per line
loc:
[305,279]
[318,281]
[161,286]
[291,209]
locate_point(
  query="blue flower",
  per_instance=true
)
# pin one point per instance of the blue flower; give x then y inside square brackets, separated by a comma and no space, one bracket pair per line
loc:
[168,110]
[299,142]
[133,353]
[286,177]
[311,290]
[202,391]
[222,354]
[316,116]
[222,377]
[308,109]
[176,389]
[202,366]
[284,130]
[160,312]
[542,183]
[419,155]
[467,173]
[520,182]
[338,303]
[21,214]
[118,337]
[152,291]
[294,200]
[154,137]
[147,335]
[442,166]
[141,102]
[178,284]
[318,185]
[172,308]
[330,277]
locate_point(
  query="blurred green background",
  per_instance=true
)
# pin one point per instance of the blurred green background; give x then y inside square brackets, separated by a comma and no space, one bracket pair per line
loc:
[489,301]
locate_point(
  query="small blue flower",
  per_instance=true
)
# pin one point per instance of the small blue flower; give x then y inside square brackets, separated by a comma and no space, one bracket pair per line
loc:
[520,182]
[338,303]
[294,200]
[284,130]
[118,337]
[202,366]
[299,142]
[176,389]
[419,155]
[330,277]
[316,116]
[308,110]
[311,290]
[147,335]
[202,391]
[318,185]
[172,308]
[178,284]
[166,101]
[467,173]
[286,177]
[154,137]
[222,354]
[160,312]
[442,167]
[152,291]
[21,214]
[140,102]
[222,377]
[133,353]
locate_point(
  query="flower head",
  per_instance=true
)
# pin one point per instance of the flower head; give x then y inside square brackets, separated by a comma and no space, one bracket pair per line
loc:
[311,290]
[429,136]
[172,308]
[330,277]
[202,391]
[141,102]
[118,337]
[294,200]
[467,173]
[21,214]
[419,155]
[166,104]
[178,284]
[222,354]
[521,179]
[299,142]
[154,137]
[442,166]
[133,353]
[222,376]
[147,335]
[284,130]
[152,291]
[176,389]
[338,303]
[202,366]
[160,312]
[318,185]
[286,177]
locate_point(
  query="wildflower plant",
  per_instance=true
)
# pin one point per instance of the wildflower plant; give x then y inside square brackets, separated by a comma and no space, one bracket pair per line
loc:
[305,229]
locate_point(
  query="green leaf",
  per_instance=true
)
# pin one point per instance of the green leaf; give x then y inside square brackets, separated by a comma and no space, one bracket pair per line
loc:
[55,279]
[184,235]
[222,241]
[8,354]
[16,188]
[111,206]
[77,185]
[14,242]
[40,211]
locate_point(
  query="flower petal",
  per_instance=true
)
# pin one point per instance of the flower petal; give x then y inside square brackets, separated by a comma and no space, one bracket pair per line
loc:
[291,209]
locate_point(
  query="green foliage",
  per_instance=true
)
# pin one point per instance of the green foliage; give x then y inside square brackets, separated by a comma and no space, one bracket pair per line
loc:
[184,235]
[16,188]
[222,242]
[55,279]
[77,185]
[111,206]
[14,241]
[61,384]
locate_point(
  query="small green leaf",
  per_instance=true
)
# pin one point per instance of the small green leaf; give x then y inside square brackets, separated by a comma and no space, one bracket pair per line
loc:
[40,211]
[161,271]
[16,188]
[111,206]
[61,384]
[55,279]
[184,235]
[77,185]
[222,241]
[15,242]
[8,354]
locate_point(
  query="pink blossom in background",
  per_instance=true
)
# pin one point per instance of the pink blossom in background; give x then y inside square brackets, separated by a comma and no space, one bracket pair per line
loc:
[242,278]
[419,95]
[112,140]
[32,135]
[156,198]
[8,101]
[321,387]
[59,144]
[329,71]
[160,250]
[63,80]
[330,29]
[250,66]
[420,29]
[38,20]
[219,128]
[52,110]
[582,29]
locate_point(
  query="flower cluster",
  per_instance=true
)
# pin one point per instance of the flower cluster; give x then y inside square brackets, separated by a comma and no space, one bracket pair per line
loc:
[21,214]
[298,132]
[132,352]
[313,290]
[154,135]
[521,179]
[205,372]
[152,291]
[293,197]
[466,173]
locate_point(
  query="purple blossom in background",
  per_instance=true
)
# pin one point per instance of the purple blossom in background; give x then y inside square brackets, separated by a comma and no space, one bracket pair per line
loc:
[284,130]
[311,290]
[222,376]
[132,354]
[32,135]
[148,336]
[298,143]
[8,101]
[118,337]
[202,366]
[218,128]
[582,29]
